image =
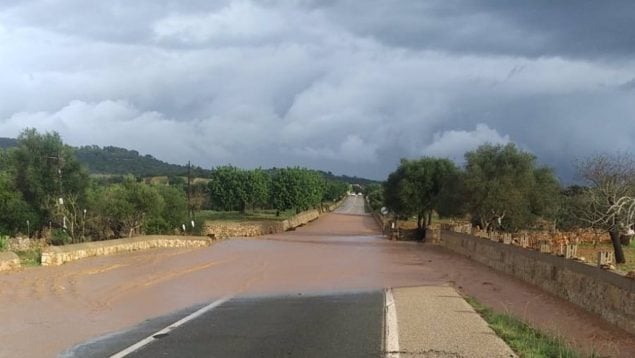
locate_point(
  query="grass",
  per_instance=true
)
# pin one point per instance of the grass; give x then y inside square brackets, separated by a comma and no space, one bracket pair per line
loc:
[522,338]
[590,253]
[257,215]
[30,257]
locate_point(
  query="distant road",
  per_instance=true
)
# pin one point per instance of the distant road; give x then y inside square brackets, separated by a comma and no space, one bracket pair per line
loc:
[353,205]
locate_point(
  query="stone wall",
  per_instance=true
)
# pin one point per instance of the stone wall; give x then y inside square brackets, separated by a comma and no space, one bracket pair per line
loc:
[606,293]
[9,261]
[227,229]
[57,255]
[25,243]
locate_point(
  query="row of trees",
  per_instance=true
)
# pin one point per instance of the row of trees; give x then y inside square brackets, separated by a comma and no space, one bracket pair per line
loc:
[234,189]
[503,188]
[43,186]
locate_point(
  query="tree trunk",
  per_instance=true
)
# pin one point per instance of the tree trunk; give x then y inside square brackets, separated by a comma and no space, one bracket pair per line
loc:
[429,218]
[617,246]
[419,221]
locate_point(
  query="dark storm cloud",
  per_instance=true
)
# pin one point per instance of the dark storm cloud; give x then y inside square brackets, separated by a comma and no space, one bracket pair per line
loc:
[346,86]
[518,28]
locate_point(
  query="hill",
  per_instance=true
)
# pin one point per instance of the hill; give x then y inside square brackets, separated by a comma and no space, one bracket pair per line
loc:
[120,161]
[8,142]
[111,160]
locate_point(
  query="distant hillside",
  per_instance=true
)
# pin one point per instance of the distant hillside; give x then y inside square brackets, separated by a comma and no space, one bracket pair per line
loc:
[8,142]
[347,179]
[120,161]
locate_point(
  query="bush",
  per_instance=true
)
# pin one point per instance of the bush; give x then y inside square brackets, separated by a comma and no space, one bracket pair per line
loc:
[60,237]
[4,242]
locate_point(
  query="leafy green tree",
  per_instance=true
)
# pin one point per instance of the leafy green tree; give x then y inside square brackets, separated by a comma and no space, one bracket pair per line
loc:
[126,209]
[334,190]
[228,190]
[505,189]
[46,170]
[257,185]
[173,213]
[296,188]
[375,194]
[415,187]
[14,211]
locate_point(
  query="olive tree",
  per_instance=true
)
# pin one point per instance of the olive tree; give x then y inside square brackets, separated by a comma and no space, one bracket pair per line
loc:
[415,187]
[505,189]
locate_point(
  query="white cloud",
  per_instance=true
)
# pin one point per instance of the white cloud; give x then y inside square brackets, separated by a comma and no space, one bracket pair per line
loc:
[454,143]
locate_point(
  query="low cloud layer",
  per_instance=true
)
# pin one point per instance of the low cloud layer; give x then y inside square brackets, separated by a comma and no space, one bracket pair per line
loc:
[345,86]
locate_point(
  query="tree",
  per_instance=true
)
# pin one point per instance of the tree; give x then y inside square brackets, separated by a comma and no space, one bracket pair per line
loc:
[609,179]
[374,193]
[505,189]
[296,188]
[227,187]
[415,188]
[14,211]
[334,190]
[45,171]
[126,209]
[257,186]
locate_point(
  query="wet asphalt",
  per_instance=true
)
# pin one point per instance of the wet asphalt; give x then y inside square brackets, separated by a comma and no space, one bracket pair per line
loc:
[333,325]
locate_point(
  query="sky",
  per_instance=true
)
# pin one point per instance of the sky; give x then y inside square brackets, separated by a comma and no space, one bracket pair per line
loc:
[344,86]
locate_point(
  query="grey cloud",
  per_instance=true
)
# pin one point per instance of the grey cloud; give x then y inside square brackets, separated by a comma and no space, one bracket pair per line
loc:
[345,86]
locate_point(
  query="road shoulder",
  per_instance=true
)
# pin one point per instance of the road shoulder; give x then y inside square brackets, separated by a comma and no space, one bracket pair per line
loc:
[435,321]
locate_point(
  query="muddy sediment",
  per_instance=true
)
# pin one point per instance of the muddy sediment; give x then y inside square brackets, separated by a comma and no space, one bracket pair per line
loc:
[45,310]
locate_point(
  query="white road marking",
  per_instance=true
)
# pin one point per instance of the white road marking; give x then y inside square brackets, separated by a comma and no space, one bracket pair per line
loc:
[169,328]
[392,330]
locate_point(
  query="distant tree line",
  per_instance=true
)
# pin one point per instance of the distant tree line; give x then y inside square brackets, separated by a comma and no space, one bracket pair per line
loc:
[43,187]
[502,188]
[234,189]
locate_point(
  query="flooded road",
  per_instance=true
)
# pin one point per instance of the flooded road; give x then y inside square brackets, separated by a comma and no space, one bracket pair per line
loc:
[46,310]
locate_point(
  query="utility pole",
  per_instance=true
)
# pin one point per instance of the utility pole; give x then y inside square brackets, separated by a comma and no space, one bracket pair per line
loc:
[189,189]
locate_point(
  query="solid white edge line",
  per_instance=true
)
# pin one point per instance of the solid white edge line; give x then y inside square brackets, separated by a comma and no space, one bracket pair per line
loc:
[169,328]
[392,330]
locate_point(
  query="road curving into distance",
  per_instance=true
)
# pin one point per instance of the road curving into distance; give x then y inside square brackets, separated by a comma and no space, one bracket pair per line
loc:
[278,287]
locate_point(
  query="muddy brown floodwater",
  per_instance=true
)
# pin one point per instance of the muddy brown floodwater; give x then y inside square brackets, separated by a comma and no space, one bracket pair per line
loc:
[45,310]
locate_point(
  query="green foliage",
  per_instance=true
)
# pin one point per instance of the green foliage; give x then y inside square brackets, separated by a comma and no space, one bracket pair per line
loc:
[125,209]
[30,257]
[4,242]
[114,160]
[45,170]
[415,187]
[228,188]
[504,188]
[14,210]
[335,190]
[375,195]
[257,186]
[296,188]
[60,237]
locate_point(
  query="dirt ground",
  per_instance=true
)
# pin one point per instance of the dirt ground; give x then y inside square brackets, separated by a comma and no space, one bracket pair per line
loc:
[45,310]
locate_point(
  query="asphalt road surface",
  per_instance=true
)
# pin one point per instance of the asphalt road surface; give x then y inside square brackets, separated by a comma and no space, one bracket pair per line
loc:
[335,325]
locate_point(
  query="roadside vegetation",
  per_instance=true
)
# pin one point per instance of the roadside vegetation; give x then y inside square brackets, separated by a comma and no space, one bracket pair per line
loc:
[503,188]
[521,337]
[46,192]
